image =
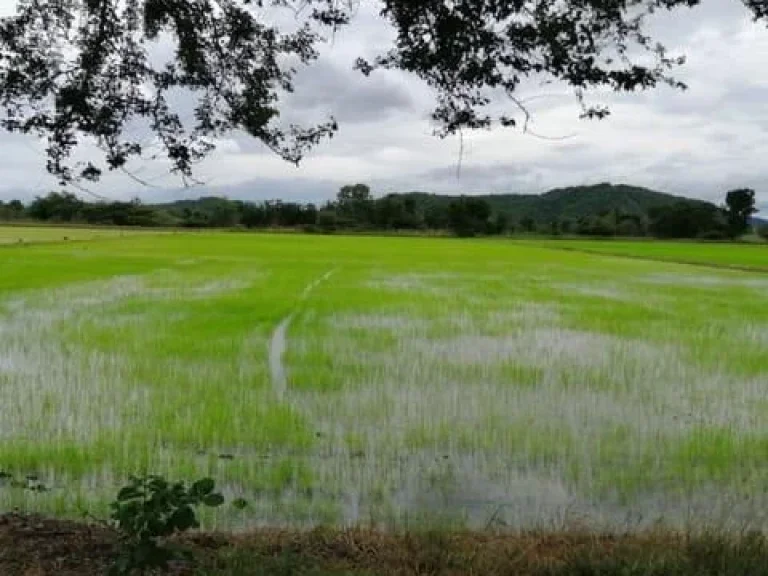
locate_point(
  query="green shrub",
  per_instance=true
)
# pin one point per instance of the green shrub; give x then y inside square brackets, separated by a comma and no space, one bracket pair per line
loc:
[150,509]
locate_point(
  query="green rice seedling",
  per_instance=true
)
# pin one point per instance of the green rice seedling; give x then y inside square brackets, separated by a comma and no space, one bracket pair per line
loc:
[389,381]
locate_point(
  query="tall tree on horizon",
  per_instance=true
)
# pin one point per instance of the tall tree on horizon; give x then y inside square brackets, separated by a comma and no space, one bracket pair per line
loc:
[740,206]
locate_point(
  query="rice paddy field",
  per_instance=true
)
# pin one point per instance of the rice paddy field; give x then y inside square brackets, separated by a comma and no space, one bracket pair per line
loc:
[391,382]
[36,235]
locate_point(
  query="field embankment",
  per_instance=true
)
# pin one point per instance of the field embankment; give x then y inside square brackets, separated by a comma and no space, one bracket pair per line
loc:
[737,256]
[24,234]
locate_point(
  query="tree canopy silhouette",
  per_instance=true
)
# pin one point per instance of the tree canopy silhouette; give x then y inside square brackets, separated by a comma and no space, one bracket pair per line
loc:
[740,206]
[90,70]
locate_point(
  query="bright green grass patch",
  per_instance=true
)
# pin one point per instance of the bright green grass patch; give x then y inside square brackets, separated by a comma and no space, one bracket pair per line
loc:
[752,256]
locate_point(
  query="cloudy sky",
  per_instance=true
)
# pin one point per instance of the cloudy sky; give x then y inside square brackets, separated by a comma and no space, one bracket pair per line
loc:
[698,143]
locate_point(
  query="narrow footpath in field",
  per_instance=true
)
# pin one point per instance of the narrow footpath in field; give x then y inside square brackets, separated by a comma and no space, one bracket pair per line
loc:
[277,342]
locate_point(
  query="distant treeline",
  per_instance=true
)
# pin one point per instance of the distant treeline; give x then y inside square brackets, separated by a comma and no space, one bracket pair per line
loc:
[602,210]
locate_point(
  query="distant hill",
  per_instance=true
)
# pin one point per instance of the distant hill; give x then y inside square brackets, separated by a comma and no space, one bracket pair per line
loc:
[203,204]
[560,204]
[568,203]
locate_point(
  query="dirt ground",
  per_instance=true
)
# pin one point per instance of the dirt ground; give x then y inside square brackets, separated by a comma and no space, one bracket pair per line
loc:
[36,546]
[32,546]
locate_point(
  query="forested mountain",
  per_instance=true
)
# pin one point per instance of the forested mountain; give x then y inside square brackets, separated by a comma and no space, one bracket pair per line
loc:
[570,203]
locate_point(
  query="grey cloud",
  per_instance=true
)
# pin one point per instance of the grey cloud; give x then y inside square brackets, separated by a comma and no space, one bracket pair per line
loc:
[681,24]
[488,178]
[675,175]
[258,189]
[329,89]
[745,101]
[481,179]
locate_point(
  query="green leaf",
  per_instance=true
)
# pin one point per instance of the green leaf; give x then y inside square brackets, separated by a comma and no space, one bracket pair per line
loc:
[121,566]
[183,519]
[128,493]
[203,487]
[213,500]
[240,503]
[158,483]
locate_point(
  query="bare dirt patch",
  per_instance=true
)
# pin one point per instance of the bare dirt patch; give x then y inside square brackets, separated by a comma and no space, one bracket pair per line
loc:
[34,546]
[31,545]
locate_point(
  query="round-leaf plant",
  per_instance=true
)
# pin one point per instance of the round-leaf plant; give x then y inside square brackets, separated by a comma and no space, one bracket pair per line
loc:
[148,510]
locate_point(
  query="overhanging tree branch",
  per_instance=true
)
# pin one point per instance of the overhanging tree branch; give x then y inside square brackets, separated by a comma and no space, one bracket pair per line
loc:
[75,70]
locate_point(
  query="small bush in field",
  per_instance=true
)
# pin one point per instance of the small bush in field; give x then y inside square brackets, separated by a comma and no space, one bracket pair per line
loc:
[150,508]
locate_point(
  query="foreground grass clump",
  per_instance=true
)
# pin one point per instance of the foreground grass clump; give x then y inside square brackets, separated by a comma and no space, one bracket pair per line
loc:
[435,553]
[395,383]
